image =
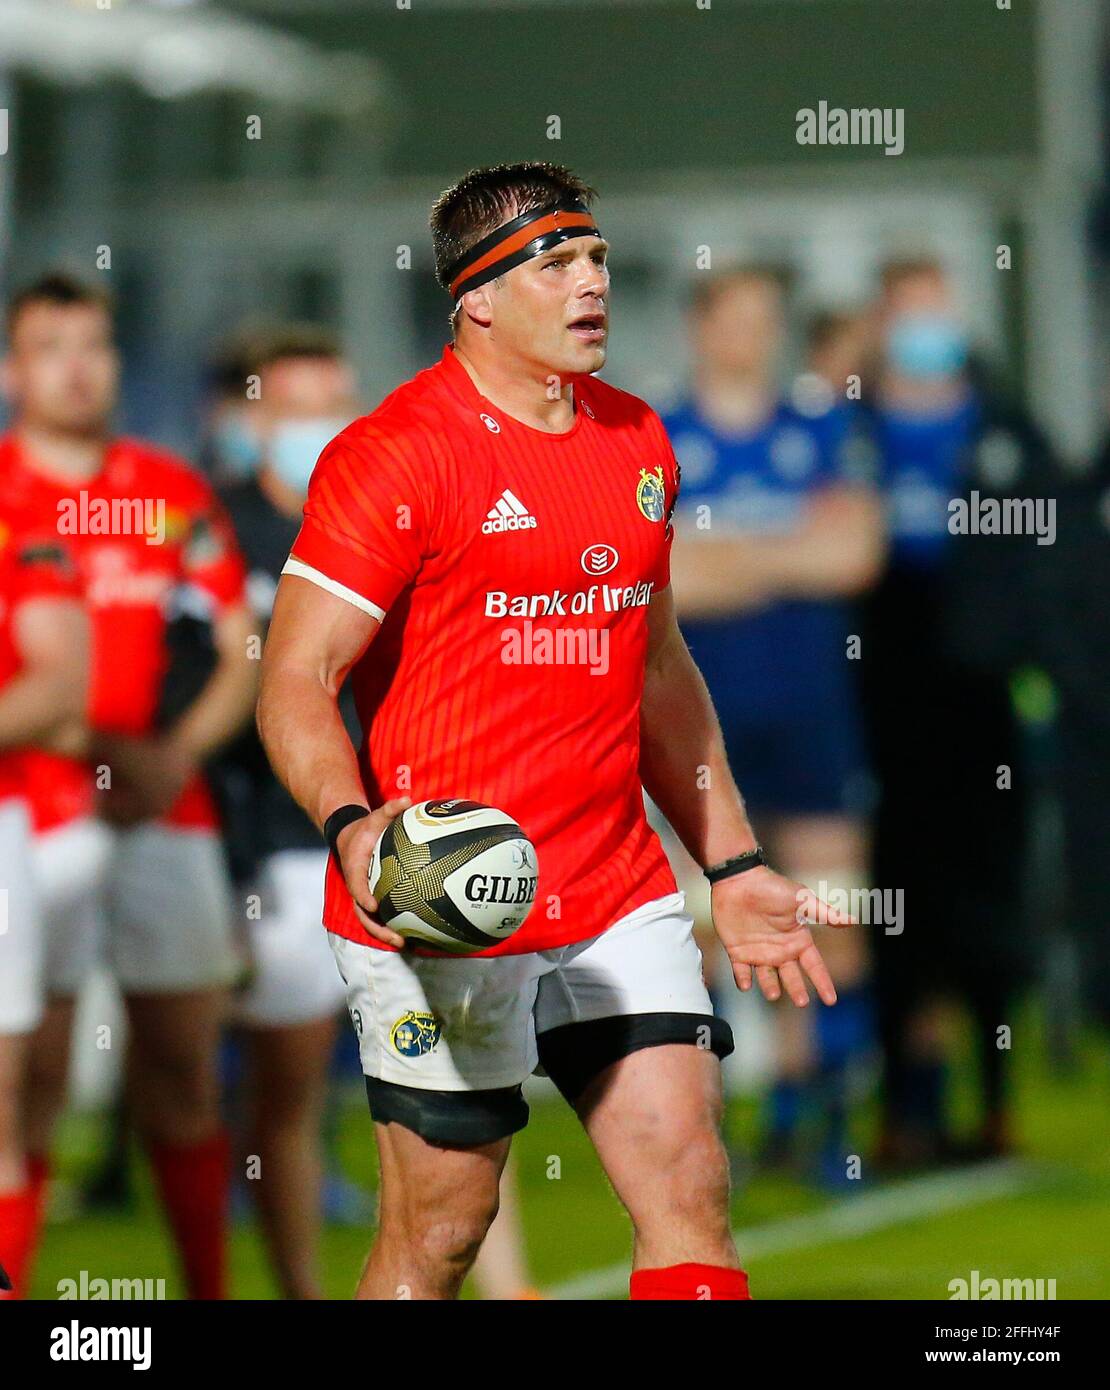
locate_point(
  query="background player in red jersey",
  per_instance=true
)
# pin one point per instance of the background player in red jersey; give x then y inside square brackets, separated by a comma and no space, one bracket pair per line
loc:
[603,982]
[144,528]
[43,676]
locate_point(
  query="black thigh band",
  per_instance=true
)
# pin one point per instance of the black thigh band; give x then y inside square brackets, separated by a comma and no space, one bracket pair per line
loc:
[449,1118]
[573,1054]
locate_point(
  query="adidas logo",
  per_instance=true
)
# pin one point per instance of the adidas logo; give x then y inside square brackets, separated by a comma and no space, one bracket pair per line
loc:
[508,514]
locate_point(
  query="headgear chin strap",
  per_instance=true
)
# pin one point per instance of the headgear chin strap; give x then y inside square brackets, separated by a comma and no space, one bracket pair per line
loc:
[517,241]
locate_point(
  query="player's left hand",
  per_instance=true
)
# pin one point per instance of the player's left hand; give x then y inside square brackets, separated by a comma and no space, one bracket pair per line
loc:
[762,920]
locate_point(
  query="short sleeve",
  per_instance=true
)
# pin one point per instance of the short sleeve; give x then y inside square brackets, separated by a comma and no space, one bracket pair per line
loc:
[42,567]
[365,528]
[210,557]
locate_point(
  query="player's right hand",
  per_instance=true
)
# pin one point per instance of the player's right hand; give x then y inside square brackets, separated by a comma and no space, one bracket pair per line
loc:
[355,844]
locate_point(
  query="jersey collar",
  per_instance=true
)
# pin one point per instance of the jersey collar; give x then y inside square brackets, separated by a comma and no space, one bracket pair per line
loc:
[462,386]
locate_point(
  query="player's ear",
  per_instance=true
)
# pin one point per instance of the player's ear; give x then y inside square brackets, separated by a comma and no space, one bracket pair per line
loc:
[478,305]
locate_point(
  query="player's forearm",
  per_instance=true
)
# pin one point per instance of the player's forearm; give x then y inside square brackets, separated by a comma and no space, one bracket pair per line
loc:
[813,566]
[227,698]
[45,702]
[683,763]
[837,553]
[715,578]
[39,706]
[307,743]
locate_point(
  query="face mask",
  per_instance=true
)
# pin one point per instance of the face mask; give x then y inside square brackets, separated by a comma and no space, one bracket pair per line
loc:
[926,346]
[236,448]
[295,446]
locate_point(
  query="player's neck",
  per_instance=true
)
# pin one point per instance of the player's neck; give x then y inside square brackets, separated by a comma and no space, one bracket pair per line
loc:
[736,404]
[526,398]
[69,457]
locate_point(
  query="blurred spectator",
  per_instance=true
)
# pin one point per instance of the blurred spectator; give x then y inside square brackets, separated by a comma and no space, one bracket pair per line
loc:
[776,529]
[294,995]
[839,347]
[230,447]
[946,628]
[1072,623]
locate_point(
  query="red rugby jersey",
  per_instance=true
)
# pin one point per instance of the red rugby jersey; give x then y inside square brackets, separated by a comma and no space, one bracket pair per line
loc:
[34,564]
[127,583]
[511,571]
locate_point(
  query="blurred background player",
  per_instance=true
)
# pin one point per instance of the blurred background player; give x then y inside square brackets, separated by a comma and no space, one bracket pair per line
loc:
[231,450]
[43,678]
[147,534]
[943,635]
[294,995]
[839,354]
[1070,582]
[775,531]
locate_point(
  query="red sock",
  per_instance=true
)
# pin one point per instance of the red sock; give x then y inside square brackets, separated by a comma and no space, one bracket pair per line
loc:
[689,1282]
[193,1180]
[17,1226]
[38,1176]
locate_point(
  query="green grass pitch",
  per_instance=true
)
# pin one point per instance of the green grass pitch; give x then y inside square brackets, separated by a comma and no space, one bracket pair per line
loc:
[1056,1226]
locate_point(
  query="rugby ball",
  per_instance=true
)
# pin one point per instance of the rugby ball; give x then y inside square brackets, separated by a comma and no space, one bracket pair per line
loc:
[455,875]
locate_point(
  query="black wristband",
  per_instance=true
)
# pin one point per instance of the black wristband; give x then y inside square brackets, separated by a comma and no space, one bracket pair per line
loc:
[739,864]
[337,822]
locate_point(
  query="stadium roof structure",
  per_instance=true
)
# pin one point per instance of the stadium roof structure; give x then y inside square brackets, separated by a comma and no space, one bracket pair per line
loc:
[175,50]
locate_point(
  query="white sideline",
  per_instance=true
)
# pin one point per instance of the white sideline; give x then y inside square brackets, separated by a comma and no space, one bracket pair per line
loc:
[912,1200]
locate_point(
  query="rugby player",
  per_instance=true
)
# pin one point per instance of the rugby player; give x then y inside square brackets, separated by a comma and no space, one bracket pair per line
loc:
[506,484]
[43,678]
[144,528]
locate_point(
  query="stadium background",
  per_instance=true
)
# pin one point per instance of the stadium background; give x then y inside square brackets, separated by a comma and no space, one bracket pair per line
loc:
[129,158]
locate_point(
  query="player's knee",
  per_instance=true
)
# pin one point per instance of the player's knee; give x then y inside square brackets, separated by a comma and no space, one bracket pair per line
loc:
[289,1101]
[448,1228]
[691,1176]
[452,1242]
[47,1074]
[187,1080]
[9,1115]
[288,1113]
[702,1174]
